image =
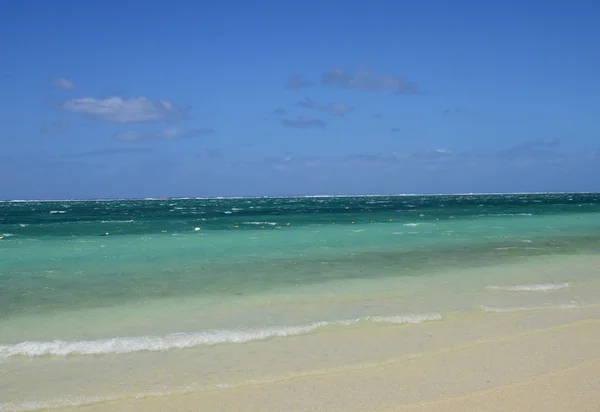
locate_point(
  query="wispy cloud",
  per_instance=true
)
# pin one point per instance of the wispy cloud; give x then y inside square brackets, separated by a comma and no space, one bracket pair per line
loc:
[377,116]
[172,133]
[279,112]
[337,109]
[62,83]
[441,159]
[55,128]
[539,148]
[395,130]
[364,80]
[542,143]
[296,82]
[332,109]
[118,110]
[210,153]
[451,111]
[108,152]
[303,122]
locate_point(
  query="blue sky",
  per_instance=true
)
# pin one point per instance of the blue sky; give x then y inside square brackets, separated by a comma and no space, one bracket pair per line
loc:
[237,98]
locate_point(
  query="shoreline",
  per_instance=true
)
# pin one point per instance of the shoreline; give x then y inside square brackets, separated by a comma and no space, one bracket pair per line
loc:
[475,361]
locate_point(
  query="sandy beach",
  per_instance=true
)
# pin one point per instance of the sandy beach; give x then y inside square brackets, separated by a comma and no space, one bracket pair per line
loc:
[536,361]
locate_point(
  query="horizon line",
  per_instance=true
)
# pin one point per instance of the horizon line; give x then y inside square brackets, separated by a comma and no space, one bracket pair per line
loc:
[108,199]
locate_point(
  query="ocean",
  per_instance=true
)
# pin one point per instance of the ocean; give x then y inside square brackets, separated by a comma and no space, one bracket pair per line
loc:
[104,300]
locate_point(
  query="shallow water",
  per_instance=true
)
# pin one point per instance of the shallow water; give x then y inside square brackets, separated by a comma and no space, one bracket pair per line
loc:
[124,294]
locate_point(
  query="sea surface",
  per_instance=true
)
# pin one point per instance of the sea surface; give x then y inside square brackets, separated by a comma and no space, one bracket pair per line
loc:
[112,299]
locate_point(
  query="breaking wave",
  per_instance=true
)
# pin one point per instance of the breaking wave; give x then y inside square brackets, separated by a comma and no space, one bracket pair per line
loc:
[530,308]
[541,287]
[187,340]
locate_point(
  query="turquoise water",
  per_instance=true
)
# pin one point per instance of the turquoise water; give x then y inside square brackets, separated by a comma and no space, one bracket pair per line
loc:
[91,287]
[65,255]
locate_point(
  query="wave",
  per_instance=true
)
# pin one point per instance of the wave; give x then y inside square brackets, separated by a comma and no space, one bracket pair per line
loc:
[79,401]
[122,345]
[118,221]
[531,308]
[478,194]
[260,223]
[57,211]
[541,287]
[411,224]
[57,403]
[504,214]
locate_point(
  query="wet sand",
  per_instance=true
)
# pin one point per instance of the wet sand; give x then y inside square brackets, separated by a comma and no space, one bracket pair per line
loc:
[525,361]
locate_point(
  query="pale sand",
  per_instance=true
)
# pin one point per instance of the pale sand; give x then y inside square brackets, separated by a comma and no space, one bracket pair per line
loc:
[554,366]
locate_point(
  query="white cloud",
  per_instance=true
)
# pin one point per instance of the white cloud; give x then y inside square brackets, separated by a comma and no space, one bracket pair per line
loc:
[171,133]
[118,110]
[63,84]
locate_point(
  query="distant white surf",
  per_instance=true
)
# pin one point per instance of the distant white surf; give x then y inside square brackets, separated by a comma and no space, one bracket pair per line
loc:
[187,340]
[530,308]
[540,287]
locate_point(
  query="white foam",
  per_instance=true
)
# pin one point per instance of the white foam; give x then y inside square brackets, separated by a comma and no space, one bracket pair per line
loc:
[187,340]
[541,287]
[57,211]
[117,221]
[530,308]
[411,224]
[78,401]
[261,223]
[506,214]
[481,194]
[54,404]
[419,318]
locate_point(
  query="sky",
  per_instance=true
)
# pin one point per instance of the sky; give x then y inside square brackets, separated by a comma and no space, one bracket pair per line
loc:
[177,98]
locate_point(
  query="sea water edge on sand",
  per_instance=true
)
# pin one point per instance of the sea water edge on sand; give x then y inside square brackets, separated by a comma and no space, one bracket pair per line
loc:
[441,291]
[172,370]
[236,370]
